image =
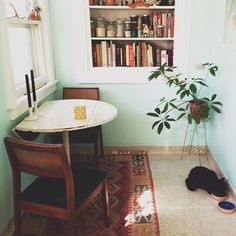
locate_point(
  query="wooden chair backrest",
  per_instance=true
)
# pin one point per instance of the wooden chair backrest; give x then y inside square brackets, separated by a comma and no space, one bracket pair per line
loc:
[48,160]
[81,93]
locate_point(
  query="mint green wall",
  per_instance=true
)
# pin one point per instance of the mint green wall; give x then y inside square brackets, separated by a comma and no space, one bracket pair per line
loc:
[222,132]
[5,171]
[132,126]
[6,197]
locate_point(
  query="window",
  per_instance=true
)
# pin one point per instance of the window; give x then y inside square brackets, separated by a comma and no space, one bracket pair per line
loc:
[27,44]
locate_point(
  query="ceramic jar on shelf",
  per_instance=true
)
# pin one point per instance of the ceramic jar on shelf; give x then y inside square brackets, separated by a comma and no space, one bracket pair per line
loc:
[100,26]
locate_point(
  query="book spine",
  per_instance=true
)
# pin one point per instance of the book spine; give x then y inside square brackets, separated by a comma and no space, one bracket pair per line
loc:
[163,57]
[158,57]
[131,55]
[104,53]
[127,54]
[164,23]
[172,25]
[169,25]
[113,51]
[94,55]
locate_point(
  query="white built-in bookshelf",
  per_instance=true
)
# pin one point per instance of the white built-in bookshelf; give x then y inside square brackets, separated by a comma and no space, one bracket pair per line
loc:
[137,55]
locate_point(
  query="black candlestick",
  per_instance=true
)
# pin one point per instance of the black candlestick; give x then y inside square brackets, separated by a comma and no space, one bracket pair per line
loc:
[28,90]
[33,85]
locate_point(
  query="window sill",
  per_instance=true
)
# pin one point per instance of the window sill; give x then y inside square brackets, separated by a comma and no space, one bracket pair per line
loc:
[21,105]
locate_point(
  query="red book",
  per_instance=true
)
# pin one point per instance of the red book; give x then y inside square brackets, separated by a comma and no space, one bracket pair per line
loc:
[131,56]
[172,25]
[159,18]
[94,55]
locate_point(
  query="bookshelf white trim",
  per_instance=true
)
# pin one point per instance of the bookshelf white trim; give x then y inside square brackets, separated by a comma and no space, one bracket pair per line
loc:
[128,8]
[132,39]
[120,74]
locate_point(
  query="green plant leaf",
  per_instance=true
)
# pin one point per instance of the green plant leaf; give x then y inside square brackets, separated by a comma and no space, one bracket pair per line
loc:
[179,91]
[165,108]
[216,109]
[155,123]
[160,128]
[217,103]
[170,119]
[213,70]
[154,75]
[173,105]
[213,97]
[193,88]
[157,110]
[197,120]
[203,84]
[183,94]
[169,69]
[180,116]
[207,99]
[181,109]
[152,114]
[190,119]
[167,125]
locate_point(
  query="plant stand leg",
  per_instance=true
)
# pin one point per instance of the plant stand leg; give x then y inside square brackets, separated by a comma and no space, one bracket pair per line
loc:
[185,137]
[199,154]
[191,143]
[205,132]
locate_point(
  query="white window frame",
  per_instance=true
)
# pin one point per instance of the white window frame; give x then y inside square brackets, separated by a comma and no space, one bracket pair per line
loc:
[15,104]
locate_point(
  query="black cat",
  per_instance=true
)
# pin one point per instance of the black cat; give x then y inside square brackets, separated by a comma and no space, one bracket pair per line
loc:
[204,178]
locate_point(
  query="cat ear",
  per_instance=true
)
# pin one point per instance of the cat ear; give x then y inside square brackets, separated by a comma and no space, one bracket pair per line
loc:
[222,179]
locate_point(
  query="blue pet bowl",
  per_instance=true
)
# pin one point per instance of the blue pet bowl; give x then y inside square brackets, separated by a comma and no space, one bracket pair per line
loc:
[226,207]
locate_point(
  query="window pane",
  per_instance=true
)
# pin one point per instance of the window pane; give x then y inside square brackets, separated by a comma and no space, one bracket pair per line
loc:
[20,53]
[20,7]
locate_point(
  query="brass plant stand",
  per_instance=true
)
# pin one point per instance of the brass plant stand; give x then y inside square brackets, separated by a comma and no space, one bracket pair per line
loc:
[190,149]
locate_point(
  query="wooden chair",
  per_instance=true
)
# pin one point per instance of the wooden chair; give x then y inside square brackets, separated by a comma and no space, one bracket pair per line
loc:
[91,135]
[60,191]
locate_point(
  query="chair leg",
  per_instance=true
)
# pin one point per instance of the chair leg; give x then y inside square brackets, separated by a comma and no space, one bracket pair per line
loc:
[105,198]
[72,227]
[96,155]
[101,143]
[17,219]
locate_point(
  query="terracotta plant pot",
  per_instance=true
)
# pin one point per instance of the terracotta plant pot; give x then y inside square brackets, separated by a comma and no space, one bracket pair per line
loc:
[199,109]
[110,2]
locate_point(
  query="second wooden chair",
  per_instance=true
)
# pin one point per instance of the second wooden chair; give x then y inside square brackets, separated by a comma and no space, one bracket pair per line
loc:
[90,135]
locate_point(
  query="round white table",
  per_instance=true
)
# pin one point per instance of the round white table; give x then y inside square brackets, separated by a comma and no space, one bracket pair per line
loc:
[58,116]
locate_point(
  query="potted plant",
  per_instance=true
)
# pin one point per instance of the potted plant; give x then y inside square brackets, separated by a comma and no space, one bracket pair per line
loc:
[188,102]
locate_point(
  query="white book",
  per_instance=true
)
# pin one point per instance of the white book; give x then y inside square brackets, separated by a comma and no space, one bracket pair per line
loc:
[163,57]
[113,52]
[104,54]
[109,52]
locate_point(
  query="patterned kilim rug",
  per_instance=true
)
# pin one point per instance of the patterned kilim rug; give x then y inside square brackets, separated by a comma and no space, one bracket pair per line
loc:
[132,204]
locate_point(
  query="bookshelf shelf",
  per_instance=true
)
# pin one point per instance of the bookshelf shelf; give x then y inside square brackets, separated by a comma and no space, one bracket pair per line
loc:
[128,8]
[132,39]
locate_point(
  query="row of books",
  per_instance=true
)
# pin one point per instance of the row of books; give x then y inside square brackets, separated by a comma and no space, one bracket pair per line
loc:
[136,54]
[163,24]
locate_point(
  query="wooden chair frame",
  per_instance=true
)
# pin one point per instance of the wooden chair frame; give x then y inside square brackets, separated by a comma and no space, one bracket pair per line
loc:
[50,161]
[86,93]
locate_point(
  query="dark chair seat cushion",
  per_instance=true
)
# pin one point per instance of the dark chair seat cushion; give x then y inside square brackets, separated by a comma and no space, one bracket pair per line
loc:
[50,191]
[89,135]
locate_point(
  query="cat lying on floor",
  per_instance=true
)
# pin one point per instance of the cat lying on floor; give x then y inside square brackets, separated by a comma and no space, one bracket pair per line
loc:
[206,179]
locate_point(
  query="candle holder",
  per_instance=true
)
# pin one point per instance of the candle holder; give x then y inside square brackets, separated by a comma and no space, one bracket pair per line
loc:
[31,116]
[36,112]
